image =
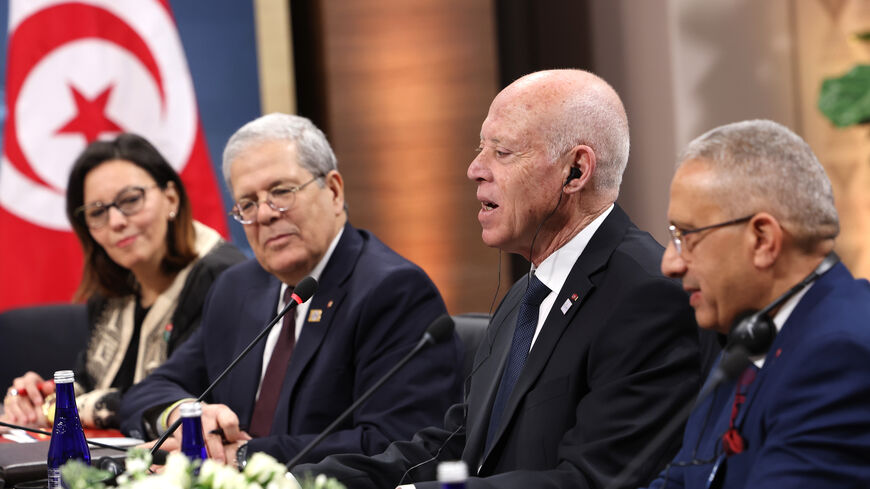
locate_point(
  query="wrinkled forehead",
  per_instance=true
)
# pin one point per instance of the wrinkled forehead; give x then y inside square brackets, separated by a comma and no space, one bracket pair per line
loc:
[263,164]
[514,119]
[698,193]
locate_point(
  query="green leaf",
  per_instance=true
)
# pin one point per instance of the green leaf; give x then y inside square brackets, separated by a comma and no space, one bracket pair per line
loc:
[846,100]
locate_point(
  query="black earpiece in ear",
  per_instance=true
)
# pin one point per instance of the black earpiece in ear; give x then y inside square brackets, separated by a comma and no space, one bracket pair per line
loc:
[754,331]
[575,173]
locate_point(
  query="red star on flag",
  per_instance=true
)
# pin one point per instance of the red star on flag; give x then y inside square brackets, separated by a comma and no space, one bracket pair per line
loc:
[91,120]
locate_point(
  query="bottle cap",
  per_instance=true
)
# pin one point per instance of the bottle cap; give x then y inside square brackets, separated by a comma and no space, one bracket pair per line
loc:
[452,471]
[64,377]
[190,410]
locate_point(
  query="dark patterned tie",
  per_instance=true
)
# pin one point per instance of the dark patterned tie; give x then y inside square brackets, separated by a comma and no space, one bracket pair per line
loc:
[527,322]
[270,387]
[732,441]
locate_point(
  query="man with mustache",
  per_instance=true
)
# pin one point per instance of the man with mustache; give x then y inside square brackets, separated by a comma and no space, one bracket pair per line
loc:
[372,306]
[753,224]
[589,354]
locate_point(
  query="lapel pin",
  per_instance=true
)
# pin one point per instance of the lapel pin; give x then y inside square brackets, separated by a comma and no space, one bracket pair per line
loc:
[314,315]
[329,304]
[574,297]
[566,306]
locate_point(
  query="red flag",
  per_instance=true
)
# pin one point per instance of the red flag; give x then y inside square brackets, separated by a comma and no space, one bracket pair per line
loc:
[76,72]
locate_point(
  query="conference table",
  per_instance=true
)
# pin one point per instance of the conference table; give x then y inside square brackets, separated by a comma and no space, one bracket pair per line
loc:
[23,456]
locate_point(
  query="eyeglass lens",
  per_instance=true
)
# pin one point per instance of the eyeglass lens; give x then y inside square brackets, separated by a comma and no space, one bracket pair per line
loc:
[129,202]
[280,199]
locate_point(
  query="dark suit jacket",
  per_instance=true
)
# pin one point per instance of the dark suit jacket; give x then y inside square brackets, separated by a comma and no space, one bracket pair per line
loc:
[375,307]
[599,381]
[806,418]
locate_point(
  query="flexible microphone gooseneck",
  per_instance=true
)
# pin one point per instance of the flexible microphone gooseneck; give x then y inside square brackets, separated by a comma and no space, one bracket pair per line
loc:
[439,331]
[301,293]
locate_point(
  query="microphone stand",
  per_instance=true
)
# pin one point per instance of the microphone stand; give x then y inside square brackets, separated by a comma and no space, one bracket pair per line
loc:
[308,285]
[425,340]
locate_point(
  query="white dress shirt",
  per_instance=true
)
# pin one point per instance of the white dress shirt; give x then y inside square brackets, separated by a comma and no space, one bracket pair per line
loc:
[301,310]
[554,271]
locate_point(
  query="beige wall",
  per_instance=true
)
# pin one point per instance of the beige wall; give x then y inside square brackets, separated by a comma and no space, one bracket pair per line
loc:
[408,84]
[686,66]
[683,67]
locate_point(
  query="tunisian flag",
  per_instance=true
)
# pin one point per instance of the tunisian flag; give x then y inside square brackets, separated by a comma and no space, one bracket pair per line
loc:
[77,72]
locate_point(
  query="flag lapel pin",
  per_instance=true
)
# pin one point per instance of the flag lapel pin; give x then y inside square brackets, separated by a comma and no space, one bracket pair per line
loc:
[314,315]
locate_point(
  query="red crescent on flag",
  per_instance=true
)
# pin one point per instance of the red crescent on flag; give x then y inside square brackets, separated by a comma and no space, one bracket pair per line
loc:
[48,30]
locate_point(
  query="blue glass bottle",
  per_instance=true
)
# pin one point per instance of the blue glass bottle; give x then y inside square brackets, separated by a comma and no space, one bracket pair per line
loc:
[67,437]
[452,475]
[192,443]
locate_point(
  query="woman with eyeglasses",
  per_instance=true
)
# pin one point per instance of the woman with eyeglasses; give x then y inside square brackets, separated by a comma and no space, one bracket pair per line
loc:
[147,269]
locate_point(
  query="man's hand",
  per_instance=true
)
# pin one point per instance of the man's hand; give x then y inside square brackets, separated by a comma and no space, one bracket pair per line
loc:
[220,427]
[24,399]
[170,445]
[230,450]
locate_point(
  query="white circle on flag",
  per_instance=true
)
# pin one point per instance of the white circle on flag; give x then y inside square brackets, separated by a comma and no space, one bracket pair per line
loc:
[92,65]
[133,101]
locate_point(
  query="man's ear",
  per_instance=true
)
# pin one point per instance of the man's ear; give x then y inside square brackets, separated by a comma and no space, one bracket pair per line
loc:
[335,183]
[766,236]
[582,168]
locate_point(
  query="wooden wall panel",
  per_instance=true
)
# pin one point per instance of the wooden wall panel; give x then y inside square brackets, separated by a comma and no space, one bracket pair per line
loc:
[826,46]
[407,85]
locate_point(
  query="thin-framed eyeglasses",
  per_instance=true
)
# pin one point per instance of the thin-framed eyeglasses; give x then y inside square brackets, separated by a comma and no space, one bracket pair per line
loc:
[129,201]
[678,233]
[280,198]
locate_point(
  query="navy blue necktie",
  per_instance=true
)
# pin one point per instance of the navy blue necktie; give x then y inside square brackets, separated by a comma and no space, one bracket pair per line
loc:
[527,322]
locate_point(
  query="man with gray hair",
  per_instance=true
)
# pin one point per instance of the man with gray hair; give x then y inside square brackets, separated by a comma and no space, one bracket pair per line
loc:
[753,224]
[591,352]
[372,306]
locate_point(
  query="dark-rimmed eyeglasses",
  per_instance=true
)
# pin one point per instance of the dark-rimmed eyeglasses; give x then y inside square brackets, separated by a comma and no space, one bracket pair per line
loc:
[280,198]
[678,233]
[129,201]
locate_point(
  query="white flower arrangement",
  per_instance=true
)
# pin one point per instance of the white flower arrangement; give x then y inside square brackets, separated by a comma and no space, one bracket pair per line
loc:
[261,472]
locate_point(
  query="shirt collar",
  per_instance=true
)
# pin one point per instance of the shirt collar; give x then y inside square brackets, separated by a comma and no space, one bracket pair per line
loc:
[554,270]
[318,269]
[781,317]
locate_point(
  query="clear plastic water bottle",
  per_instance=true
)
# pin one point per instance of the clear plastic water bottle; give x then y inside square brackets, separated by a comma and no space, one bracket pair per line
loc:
[452,475]
[67,437]
[192,443]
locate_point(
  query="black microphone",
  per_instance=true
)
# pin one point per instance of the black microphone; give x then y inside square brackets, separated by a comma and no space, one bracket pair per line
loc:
[440,330]
[117,467]
[734,361]
[301,293]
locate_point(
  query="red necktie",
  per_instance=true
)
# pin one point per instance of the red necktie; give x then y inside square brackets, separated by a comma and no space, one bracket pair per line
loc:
[270,387]
[732,442]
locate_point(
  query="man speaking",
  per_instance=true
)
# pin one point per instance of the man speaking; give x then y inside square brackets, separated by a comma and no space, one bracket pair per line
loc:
[591,352]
